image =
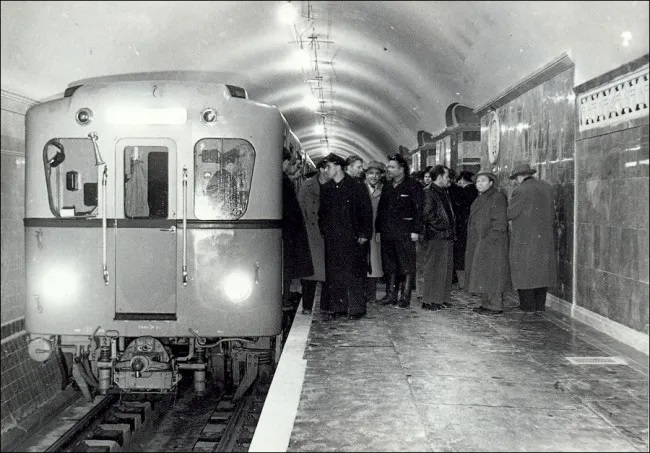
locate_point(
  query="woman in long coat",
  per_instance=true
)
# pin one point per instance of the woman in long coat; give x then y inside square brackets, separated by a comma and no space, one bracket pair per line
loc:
[486,256]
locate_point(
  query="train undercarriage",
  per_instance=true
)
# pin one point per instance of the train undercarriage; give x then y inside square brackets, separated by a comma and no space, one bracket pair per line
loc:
[118,364]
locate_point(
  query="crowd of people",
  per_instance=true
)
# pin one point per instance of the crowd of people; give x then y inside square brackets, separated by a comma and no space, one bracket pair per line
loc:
[352,225]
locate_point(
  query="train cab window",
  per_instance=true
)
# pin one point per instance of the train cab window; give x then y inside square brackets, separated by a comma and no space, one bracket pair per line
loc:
[71,174]
[223,170]
[146,182]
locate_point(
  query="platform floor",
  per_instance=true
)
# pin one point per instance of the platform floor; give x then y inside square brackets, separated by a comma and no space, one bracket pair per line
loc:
[454,380]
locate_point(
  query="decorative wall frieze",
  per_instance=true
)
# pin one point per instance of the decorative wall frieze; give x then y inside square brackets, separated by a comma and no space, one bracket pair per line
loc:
[16,103]
[621,100]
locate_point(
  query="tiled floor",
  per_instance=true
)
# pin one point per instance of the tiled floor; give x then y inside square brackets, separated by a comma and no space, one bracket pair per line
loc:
[454,380]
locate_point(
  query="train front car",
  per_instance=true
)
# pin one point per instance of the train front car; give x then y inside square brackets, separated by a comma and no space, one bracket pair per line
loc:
[152,234]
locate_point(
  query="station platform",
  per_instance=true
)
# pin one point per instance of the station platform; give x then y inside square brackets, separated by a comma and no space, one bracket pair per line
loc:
[454,380]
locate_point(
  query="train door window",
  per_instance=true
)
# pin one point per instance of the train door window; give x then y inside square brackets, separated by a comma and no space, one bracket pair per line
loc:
[71,174]
[146,182]
[223,170]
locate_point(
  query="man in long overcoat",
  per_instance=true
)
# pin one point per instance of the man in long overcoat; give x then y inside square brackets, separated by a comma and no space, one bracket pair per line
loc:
[533,263]
[296,255]
[462,195]
[309,199]
[345,220]
[486,255]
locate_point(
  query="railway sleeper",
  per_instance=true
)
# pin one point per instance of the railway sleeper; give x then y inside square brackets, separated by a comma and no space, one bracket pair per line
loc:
[97,445]
[112,433]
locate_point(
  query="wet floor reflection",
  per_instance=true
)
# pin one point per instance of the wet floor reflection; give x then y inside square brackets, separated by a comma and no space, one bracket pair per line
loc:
[454,380]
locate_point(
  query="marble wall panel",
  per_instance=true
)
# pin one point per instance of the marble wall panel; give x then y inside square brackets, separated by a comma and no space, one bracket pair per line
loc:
[538,127]
[26,384]
[12,206]
[612,218]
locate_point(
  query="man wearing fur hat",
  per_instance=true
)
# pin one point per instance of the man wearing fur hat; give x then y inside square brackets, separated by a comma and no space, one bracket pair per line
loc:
[486,256]
[532,246]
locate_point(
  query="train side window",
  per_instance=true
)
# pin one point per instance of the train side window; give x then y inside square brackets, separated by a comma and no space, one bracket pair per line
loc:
[146,182]
[70,164]
[223,171]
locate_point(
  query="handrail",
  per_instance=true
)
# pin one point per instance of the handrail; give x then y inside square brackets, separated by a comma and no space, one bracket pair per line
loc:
[104,266]
[184,269]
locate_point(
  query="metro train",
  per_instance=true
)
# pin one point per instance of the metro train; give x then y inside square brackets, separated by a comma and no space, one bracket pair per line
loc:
[153,233]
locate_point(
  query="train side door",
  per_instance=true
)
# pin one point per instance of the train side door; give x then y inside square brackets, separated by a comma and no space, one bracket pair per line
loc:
[145,234]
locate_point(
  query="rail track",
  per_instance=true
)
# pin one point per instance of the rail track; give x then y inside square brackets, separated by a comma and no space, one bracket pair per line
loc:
[172,422]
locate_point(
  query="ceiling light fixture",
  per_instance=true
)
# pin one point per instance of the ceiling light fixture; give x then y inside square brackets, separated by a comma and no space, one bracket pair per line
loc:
[287,13]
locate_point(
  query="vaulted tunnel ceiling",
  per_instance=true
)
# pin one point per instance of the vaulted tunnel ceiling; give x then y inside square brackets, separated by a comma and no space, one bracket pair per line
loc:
[389,69]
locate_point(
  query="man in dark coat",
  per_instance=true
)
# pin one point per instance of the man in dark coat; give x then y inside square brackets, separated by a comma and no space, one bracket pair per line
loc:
[295,243]
[345,220]
[533,263]
[398,226]
[462,195]
[486,256]
[438,245]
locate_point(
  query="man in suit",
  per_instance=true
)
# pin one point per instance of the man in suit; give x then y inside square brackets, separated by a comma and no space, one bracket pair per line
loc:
[533,263]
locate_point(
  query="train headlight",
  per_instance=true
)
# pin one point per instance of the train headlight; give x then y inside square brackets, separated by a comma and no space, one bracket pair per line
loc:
[209,116]
[84,116]
[59,284]
[238,286]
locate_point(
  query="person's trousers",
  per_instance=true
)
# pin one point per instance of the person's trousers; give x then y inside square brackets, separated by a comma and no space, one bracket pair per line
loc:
[438,271]
[348,298]
[492,301]
[533,299]
[309,291]
[370,289]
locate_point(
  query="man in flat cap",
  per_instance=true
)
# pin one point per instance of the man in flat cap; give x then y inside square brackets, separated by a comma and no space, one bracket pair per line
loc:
[374,185]
[532,246]
[486,256]
[345,220]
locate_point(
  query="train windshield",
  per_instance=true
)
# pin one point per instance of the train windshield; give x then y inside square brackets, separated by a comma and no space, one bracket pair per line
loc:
[223,170]
[71,174]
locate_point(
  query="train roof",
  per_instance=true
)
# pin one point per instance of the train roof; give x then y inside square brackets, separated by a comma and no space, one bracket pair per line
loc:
[196,76]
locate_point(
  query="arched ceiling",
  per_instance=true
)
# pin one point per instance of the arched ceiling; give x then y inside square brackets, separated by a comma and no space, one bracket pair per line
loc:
[388,69]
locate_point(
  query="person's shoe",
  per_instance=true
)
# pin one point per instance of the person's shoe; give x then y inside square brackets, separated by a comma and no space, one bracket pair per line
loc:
[356,316]
[327,316]
[306,312]
[487,311]
[386,300]
[403,304]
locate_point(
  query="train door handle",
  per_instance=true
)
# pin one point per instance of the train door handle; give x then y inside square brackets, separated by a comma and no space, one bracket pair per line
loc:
[171,229]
